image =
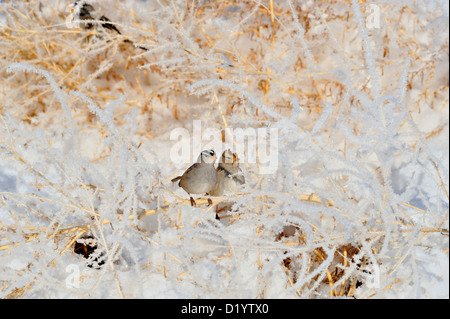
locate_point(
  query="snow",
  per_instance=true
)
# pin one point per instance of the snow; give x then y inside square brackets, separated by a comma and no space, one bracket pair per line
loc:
[346,196]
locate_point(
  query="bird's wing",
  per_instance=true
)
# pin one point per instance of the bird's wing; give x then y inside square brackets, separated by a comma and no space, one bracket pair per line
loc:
[239,178]
[108,25]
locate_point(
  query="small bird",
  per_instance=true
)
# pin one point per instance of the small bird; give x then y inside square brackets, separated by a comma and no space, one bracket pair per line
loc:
[200,177]
[83,12]
[229,175]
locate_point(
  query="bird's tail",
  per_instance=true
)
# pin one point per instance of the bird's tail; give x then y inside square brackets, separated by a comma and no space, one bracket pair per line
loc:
[176,179]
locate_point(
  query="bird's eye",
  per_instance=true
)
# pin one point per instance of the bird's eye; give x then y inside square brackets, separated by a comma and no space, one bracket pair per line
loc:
[211,153]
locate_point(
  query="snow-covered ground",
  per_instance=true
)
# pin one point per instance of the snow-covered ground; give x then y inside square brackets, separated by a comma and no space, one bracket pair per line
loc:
[349,198]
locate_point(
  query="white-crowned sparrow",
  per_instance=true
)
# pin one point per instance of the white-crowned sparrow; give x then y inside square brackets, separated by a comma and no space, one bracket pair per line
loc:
[200,177]
[229,175]
[83,11]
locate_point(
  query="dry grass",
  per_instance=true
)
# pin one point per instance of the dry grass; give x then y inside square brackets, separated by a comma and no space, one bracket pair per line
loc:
[104,67]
